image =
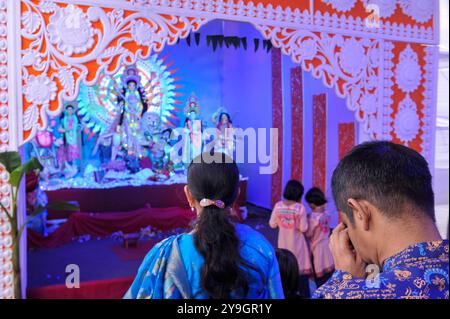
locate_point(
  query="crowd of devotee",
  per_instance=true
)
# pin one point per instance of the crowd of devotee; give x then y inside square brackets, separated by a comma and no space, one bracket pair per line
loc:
[385,246]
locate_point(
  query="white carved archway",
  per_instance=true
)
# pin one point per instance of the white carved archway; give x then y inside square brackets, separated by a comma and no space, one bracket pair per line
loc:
[386,73]
[67,43]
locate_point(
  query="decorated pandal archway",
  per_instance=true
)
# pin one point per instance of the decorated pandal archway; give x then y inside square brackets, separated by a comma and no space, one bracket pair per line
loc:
[379,55]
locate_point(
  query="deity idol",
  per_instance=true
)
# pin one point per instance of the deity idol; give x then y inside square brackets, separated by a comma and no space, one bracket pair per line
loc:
[109,141]
[167,145]
[224,141]
[104,145]
[69,128]
[133,105]
[58,144]
[41,147]
[193,140]
[161,149]
[150,139]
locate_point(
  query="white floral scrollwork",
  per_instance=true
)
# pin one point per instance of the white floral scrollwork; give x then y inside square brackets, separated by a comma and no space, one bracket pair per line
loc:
[385,8]
[342,21]
[341,5]
[308,49]
[66,43]
[352,57]
[40,90]
[48,6]
[408,72]
[143,33]
[406,123]
[30,21]
[65,76]
[30,117]
[71,30]
[369,103]
[350,65]
[429,102]
[31,58]
[419,10]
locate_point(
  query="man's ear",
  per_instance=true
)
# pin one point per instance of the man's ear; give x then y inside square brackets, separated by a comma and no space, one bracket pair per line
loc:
[361,212]
[189,196]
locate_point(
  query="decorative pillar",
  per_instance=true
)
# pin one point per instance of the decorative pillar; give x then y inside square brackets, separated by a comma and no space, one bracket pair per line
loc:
[297,123]
[277,122]
[320,141]
[347,138]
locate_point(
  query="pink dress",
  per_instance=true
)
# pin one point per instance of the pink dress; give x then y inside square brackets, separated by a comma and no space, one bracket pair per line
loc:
[318,234]
[293,223]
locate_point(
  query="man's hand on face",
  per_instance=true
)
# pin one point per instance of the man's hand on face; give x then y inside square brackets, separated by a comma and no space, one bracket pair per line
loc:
[345,258]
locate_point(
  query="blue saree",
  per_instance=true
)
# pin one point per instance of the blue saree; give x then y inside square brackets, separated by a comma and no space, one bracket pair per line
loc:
[171,270]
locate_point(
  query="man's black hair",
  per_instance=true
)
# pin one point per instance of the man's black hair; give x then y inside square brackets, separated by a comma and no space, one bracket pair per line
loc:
[394,178]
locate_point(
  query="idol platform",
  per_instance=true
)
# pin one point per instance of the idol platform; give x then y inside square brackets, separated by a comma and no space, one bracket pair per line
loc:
[123,196]
[118,222]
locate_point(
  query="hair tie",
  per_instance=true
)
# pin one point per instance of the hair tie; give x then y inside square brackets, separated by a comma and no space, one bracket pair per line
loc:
[208,202]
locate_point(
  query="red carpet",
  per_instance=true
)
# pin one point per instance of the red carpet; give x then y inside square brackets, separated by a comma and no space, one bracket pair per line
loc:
[46,267]
[134,253]
[104,224]
[98,289]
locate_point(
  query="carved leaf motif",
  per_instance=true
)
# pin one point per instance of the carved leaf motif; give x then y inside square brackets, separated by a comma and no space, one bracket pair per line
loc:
[47,6]
[30,117]
[67,80]
[31,21]
[29,58]
[355,94]
[111,52]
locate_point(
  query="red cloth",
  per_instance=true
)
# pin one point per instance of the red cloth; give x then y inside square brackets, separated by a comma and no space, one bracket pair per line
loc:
[31,181]
[104,224]
[126,198]
[145,163]
[97,289]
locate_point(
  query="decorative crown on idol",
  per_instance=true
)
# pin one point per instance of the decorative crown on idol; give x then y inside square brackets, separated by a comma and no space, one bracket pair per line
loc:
[70,105]
[192,105]
[131,73]
[221,110]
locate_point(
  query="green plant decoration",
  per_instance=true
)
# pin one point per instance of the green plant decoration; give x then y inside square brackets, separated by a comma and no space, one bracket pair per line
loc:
[12,163]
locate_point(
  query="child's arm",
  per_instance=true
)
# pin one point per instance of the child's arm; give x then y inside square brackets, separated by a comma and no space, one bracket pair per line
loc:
[273,222]
[303,220]
[311,226]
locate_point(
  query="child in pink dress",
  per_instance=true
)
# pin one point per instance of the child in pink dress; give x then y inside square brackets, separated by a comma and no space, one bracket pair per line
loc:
[290,217]
[318,235]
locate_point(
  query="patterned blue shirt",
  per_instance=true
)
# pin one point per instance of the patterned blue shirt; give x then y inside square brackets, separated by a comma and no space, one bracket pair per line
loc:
[418,272]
